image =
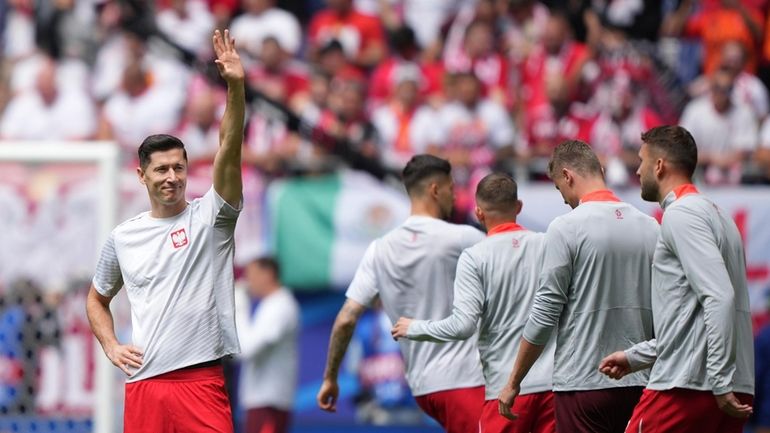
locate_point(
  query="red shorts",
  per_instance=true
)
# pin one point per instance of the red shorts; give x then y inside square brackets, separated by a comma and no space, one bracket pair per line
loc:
[535,413]
[188,400]
[457,410]
[683,411]
[267,420]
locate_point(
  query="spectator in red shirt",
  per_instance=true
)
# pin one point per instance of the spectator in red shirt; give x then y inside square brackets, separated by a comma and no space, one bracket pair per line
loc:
[557,54]
[361,36]
[405,51]
[277,74]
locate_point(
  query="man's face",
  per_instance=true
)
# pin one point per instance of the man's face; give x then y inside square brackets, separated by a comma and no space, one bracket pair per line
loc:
[166,177]
[646,173]
[446,196]
[259,279]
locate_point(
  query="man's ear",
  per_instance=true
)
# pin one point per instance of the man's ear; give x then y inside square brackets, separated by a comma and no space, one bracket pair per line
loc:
[140,174]
[433,189]
[479,215]
[569,177]
[519,205]
[660,168]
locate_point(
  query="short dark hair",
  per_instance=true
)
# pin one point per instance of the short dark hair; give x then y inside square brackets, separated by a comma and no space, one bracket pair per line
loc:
[497,192]
[158,143]
[421,168]
[269,263]
[577,155]
[676,144]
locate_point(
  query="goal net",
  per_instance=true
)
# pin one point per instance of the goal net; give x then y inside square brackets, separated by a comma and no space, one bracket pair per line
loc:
[58,203]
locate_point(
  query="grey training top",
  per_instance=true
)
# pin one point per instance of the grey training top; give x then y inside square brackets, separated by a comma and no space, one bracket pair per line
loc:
[494,287]
[595,290]
[700,301]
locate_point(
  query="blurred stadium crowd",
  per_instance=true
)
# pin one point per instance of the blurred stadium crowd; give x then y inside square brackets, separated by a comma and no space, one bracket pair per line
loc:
[487,84]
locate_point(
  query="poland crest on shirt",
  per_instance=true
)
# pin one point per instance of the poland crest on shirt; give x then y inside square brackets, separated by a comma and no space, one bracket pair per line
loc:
[179,238]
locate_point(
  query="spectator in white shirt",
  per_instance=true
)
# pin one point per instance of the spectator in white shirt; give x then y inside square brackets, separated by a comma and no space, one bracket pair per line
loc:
[748,88]
[268,339]
[726,131]
[49,112]
[188,23]
[261,19]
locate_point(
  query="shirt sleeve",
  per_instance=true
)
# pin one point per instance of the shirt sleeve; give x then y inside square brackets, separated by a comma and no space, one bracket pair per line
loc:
[553,290]
[642,355]
[108,279]
[692,240]
[215,211]
[363,289]
[271,323]
[468,304]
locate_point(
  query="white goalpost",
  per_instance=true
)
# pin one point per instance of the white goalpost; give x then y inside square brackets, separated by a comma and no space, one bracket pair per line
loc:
[104,158]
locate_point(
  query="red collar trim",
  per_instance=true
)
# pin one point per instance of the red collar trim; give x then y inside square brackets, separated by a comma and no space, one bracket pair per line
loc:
[683,190]
[599,195]
[506,227]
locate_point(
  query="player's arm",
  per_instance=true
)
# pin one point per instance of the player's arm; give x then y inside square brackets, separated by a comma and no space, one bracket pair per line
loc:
[639,357]
[692,240]
[468,304]
[342,332]
[103,327]
[227,162]
[526,358]
[544,315]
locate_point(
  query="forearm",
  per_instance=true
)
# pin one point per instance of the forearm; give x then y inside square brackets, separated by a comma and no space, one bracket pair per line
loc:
[101,321]
[452,328]
[528,354]
[231,128]
[642,355]
[338,345]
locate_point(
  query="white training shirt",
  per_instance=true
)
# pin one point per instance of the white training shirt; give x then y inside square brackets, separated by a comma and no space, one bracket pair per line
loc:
[178,274]
[412,270]
[595,290]
[494,288]
[269,352]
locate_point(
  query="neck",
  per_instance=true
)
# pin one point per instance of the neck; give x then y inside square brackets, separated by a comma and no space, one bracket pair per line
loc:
[424,208]
[590,185]
[158,210]
[669,183]
[491,223]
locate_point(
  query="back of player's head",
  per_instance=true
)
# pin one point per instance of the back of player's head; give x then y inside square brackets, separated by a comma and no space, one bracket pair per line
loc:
[269,263]
[158,143]
[421,169]
[674,144]
[497,192]
[576,155]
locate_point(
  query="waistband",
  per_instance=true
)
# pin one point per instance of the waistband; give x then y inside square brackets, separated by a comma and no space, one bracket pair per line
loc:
[203,371]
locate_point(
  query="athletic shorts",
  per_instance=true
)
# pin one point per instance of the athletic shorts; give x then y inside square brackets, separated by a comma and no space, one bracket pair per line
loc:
[535,413]
[457,410]
[684,411]
[190,400]
[595,411]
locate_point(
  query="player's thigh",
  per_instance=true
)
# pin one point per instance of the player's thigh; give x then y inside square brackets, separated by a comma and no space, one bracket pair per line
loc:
[202,406]
[676,411]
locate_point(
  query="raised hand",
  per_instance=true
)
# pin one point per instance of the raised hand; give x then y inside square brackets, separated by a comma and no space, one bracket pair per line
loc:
[228,62]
